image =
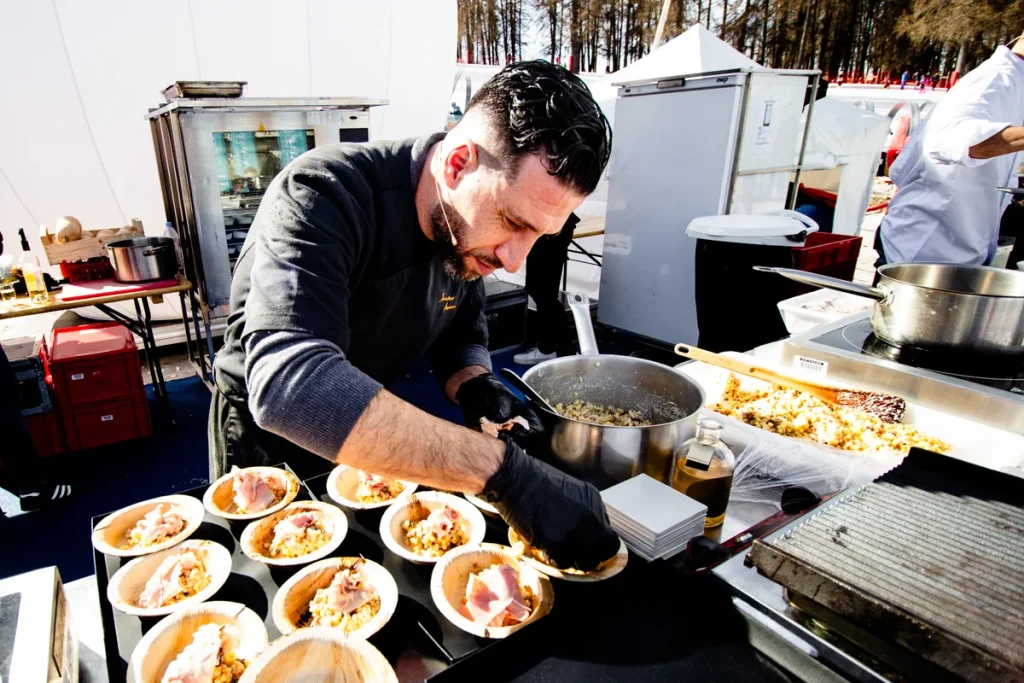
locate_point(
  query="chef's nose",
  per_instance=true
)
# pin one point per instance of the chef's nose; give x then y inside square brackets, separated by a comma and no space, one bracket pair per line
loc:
[513,252]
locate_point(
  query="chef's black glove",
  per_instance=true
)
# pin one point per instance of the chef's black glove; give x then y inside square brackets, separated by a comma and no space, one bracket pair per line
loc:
[552,511]
[487,396]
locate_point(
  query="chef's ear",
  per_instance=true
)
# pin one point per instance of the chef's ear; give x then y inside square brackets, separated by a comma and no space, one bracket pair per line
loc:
[461,160]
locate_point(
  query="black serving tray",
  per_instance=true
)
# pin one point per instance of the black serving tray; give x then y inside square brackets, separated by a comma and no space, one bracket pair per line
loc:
[418,641]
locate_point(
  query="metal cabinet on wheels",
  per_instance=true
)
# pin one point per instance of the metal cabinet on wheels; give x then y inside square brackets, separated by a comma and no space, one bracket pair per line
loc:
[216,155]
[718,142]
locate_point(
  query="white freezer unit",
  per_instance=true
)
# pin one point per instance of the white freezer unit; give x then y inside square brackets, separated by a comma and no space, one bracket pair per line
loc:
[685,147]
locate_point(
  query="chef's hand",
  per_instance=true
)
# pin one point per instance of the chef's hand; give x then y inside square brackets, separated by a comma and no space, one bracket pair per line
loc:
[552,511]
[487,396]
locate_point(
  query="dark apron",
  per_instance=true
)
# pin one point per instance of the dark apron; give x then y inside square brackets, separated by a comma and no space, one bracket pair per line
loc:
[393,321]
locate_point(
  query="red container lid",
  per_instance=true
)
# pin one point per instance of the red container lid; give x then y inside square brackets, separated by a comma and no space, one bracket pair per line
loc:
[97,339]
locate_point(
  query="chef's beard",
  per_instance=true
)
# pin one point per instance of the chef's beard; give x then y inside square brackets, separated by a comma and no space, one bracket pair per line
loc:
[454,258]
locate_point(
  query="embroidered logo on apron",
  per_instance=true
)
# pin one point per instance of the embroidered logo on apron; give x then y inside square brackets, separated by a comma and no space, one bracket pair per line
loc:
[448,302]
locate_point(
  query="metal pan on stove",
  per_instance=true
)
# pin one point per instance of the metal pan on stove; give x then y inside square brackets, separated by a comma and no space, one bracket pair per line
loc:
[939,306]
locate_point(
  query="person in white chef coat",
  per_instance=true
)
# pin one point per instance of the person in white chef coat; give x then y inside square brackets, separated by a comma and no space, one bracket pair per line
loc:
[947,207]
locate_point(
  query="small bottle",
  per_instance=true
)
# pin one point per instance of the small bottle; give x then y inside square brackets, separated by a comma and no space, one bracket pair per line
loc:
[35,283]
[702,468]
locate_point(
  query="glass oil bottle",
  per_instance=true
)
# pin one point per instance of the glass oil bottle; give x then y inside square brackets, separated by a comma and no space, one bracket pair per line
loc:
[702,468]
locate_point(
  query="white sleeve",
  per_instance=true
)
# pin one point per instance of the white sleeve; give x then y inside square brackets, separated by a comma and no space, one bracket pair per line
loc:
[970,116]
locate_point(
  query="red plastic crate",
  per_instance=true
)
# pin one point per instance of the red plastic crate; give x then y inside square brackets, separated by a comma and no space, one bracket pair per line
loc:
[105,423]
[94,364]
[828,254]
[47,433]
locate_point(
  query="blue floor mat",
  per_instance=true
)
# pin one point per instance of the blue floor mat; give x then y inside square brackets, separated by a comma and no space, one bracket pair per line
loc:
[171,460]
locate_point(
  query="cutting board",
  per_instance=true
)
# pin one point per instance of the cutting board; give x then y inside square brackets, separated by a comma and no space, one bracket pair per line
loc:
[109,287]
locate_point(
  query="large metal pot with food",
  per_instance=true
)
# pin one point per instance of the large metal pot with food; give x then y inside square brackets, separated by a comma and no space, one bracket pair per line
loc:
[939,306]
[604,454]
[142,259]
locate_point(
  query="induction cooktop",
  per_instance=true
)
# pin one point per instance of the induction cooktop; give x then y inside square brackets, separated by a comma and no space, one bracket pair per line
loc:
[998,372]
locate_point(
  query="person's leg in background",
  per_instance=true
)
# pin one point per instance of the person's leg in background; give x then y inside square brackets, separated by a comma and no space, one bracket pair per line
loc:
[23,471]
[543,277]
[880,261]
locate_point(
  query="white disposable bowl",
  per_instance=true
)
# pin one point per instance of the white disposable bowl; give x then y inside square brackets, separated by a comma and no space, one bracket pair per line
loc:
[126,586]
[391,523]
[342,485]
[109,536]
[256,532]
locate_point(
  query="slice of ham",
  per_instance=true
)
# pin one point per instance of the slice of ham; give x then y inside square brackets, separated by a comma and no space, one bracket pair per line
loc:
[295,525]
[197,660]
[442,520]
[162,521]
[347,591]
[165,583]
[252,492]
[373,482]
[493,593]
[492,429]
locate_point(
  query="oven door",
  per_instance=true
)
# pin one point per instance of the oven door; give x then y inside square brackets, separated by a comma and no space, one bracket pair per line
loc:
[231,158]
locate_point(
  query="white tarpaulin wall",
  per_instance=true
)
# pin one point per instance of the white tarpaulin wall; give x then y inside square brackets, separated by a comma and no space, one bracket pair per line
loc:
[76,79]
[851,139]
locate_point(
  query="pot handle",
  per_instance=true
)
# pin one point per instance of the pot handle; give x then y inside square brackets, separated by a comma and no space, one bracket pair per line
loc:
[816,280]
[155,250]
[579,304]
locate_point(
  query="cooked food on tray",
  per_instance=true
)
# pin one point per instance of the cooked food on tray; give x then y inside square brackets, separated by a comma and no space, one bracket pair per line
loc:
[494,428]
[299,534]
[376,489]
[256,491]
[525,549]
[209,657]
[348,602]
[585,411]
[434,533]
[161,523]
[178,577]
[494,597]
[794,413]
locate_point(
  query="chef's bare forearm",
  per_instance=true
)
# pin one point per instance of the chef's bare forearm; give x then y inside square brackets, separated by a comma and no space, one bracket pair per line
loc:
[1007,141]
[395,439]
[451,387]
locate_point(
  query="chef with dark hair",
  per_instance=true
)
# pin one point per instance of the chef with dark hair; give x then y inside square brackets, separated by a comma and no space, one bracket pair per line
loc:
[362,258]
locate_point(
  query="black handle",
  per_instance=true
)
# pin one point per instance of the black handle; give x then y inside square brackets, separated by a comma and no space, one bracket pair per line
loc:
[155,250]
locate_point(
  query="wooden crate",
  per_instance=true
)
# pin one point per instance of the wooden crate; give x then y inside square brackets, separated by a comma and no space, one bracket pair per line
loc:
[91,245]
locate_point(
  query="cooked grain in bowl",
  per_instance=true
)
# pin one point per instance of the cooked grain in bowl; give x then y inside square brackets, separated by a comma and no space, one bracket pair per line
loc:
[178,577]
[298,534]
[158,525]
[376,489]
[256,490]
[348,602]
[434,533]
[209,657]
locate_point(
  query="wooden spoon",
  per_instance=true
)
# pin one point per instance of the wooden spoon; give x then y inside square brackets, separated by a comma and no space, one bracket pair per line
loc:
[886,407]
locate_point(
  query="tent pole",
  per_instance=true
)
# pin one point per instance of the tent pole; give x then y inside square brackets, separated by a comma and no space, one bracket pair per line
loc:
[662,20]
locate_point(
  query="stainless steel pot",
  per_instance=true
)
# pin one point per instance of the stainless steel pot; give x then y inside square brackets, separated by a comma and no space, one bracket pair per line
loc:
[939,306]
[604,455]
[141,259]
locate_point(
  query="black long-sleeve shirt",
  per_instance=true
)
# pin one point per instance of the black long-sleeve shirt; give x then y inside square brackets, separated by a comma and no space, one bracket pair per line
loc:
[337,290]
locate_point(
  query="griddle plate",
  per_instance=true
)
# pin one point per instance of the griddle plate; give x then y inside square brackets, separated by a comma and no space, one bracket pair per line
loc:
[930,556]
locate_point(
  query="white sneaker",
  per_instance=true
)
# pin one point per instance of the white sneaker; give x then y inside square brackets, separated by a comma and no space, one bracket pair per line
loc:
[533,356]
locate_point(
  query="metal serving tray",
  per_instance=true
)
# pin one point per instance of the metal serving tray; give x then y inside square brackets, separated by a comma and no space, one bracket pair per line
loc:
[193,89]
[418,641]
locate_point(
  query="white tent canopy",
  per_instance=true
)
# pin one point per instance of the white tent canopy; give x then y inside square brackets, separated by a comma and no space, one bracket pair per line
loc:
[696,51]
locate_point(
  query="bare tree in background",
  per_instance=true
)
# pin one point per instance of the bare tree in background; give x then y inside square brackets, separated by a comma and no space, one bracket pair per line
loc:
[850,37]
